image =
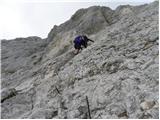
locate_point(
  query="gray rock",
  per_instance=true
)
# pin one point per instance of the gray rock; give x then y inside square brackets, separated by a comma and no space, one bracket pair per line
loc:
[42,78]
[146,105]
[7,94]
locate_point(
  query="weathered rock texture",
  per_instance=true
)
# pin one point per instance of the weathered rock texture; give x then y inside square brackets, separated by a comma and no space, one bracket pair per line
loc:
[42,78]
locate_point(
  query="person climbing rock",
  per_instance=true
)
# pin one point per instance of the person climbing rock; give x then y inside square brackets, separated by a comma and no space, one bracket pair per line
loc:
[79,41]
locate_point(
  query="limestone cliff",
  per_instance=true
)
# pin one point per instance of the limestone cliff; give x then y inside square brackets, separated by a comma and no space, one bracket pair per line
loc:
[42,78]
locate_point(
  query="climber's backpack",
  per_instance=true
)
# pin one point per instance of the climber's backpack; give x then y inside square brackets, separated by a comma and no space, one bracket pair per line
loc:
[78,39]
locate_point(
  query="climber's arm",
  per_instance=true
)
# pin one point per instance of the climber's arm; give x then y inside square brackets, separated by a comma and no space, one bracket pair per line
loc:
[90,40]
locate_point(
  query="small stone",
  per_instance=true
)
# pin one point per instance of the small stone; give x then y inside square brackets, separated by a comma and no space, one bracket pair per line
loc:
[146,105]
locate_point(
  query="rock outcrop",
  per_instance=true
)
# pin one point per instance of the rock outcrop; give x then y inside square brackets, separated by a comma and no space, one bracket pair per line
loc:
[42,78]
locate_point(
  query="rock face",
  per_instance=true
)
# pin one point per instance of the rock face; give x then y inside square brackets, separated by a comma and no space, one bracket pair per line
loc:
[42,78]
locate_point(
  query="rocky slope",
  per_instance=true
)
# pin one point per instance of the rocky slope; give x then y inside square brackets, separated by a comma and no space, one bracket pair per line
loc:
[42,78]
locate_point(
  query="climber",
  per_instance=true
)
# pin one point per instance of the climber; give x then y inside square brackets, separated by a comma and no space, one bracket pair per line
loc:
[79,41]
